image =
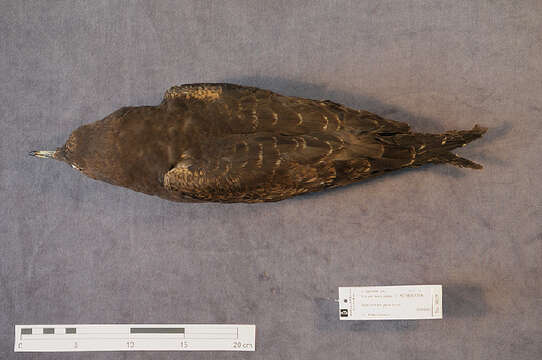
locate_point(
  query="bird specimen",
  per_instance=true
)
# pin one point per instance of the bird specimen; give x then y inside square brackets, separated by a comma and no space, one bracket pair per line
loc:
[231,143]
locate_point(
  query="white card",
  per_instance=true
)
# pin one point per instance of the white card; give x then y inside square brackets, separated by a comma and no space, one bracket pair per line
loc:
[390,302]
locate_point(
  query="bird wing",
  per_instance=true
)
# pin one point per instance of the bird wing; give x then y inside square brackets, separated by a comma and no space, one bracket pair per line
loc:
[244,109]
[255,167]
[270,146]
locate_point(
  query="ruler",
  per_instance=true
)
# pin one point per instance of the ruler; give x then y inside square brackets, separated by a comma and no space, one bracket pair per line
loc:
[135,337]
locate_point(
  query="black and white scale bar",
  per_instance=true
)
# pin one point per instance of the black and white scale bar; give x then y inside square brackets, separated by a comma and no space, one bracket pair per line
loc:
[135,337]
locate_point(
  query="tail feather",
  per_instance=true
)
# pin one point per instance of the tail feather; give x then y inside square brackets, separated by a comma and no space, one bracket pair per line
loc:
[435,148]
[459,138]
[458,161]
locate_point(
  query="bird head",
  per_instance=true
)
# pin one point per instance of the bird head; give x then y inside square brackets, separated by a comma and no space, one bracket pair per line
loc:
[89,149]
[118,149]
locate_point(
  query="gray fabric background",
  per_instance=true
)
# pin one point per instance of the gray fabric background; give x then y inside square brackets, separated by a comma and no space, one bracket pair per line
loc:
[74,250]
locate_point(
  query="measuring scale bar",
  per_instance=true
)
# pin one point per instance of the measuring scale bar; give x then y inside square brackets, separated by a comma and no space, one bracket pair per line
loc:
[135,337]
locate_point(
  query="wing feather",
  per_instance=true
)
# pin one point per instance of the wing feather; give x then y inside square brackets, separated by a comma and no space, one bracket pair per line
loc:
[247,109]
[255,167]
[270,147]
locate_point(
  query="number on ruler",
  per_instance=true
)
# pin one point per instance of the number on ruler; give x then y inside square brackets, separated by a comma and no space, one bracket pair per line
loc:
[130,344]
[240,345]
[184,344]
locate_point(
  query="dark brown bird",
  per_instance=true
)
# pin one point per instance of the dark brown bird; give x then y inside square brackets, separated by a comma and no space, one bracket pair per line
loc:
[231,143]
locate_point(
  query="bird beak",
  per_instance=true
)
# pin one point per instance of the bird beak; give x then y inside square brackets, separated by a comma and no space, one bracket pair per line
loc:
[44,154]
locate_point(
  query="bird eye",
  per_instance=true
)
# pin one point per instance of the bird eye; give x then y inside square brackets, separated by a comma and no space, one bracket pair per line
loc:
[76,167]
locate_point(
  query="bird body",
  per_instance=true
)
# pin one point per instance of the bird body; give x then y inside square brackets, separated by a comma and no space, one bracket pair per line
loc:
[231,143]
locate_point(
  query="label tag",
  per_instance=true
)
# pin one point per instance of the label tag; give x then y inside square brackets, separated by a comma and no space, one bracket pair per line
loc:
[135,337]
[409,302]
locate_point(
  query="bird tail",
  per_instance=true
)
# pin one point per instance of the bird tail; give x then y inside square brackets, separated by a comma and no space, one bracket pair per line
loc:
[436,148]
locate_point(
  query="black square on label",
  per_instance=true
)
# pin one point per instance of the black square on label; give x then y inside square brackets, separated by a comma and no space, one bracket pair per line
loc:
[344,312]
